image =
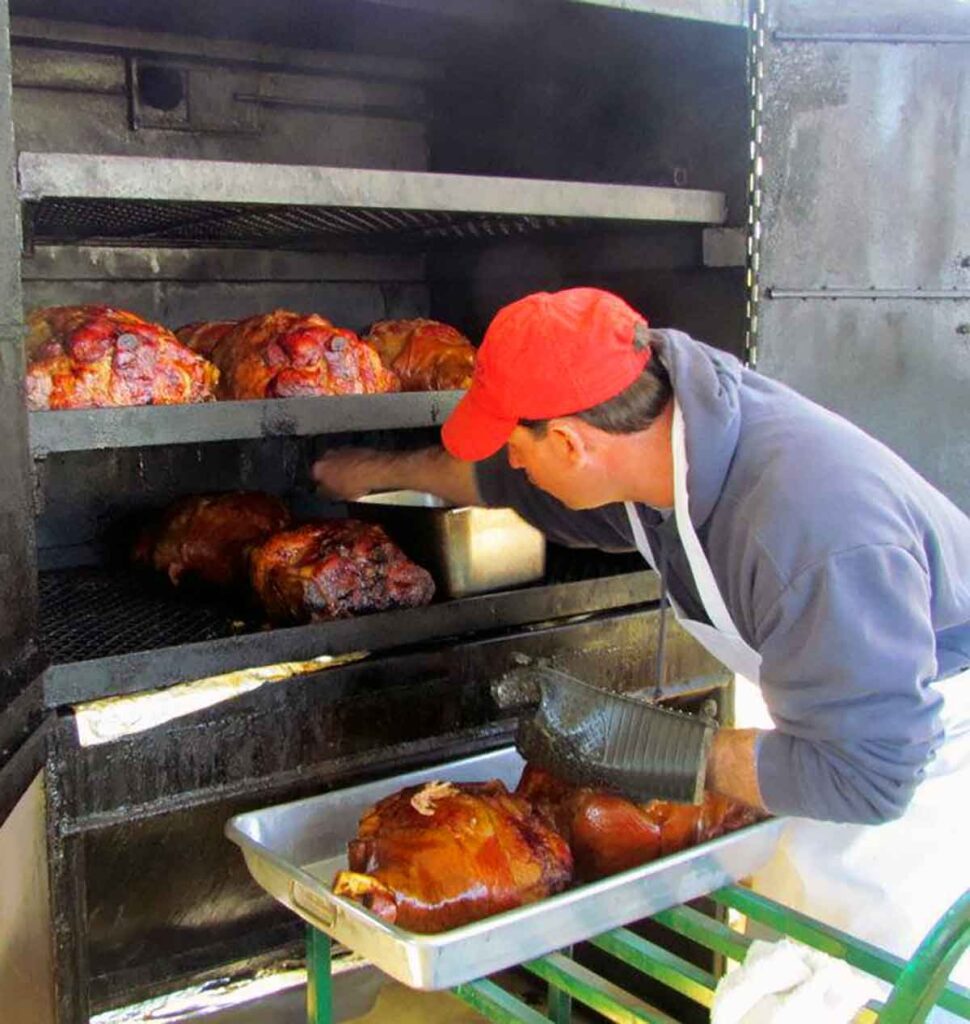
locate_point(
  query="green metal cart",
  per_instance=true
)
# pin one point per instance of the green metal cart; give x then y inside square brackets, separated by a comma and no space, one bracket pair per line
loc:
[917,985]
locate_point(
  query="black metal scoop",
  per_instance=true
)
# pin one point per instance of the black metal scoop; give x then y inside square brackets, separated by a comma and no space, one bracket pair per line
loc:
[590,737]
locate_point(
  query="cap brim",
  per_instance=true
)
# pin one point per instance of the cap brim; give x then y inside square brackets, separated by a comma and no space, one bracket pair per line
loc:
[472,433]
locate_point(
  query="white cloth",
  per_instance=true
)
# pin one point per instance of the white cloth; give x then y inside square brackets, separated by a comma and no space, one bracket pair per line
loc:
[788,983]
[890,883]
[887,884]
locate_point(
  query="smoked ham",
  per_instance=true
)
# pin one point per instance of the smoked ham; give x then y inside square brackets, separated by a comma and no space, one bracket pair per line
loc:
[334,569]
[284,354]
[608,833]
[208,537]
[426,355]
[82,357]
[434,857]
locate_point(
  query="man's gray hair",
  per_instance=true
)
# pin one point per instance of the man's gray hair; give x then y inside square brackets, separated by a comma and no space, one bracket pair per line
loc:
[635,407]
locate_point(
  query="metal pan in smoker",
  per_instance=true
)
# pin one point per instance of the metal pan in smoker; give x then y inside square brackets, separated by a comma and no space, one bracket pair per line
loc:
[294,850]
[468,550]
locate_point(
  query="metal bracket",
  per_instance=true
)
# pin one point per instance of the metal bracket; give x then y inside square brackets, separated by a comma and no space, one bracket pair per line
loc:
[872,294]
[892,38]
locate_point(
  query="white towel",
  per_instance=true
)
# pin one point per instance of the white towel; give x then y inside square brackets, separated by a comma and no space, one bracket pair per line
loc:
[787,983]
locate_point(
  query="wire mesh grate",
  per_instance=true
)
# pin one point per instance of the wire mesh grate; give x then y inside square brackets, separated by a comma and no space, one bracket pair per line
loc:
[60,220]
[93,613]
[90,613]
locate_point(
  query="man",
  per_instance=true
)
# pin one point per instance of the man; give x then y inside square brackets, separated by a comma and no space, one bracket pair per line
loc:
[800,551]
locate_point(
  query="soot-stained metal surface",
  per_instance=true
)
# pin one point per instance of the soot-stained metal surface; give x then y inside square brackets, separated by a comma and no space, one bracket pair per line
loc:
[866,165]
[110,632]
[140,856]
[144,426]
[18,618]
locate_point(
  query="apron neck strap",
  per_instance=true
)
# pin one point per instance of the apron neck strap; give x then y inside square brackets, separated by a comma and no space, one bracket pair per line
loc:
[704,580]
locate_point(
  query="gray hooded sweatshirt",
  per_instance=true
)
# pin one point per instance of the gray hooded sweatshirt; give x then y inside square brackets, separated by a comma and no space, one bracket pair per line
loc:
[839,564]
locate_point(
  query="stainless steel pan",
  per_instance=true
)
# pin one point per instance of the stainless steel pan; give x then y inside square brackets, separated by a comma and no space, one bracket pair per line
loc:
[294,850]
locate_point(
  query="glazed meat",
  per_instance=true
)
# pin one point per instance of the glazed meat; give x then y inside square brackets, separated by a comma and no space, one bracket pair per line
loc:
[81,357]
[608,833]
[282,354]
[334,569]
[434,857]
[208,537]
[426,355]
[205,335]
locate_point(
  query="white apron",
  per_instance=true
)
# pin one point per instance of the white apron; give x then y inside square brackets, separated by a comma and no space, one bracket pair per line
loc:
[887,884]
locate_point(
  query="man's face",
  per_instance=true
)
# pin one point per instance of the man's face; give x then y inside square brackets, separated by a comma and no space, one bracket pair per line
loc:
[561,463]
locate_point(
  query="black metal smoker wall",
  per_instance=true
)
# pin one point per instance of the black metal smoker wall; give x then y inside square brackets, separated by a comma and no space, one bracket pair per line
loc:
[146,892]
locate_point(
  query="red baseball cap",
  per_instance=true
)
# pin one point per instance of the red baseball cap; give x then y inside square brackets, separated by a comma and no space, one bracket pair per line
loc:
[549,354]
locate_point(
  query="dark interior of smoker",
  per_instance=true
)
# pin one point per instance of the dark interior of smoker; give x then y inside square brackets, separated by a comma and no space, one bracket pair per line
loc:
[147,893]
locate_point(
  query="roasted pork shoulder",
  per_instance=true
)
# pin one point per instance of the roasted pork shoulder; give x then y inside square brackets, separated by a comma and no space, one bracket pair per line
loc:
[283,354]
[437,856]
[208,537]
[334,569]
[426,355]
[81,357]
[608,833]
[204,335]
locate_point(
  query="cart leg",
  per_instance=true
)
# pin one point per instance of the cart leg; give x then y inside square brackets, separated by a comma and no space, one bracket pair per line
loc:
[319,996]
[559,1004]
[924,977]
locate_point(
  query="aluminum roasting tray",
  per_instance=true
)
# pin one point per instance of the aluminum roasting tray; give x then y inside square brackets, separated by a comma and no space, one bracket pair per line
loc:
[293,851]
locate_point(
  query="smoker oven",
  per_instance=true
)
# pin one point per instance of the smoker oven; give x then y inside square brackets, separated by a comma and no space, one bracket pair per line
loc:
[199,161]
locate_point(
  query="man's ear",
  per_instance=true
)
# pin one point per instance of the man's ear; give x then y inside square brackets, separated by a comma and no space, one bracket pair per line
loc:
[567,442]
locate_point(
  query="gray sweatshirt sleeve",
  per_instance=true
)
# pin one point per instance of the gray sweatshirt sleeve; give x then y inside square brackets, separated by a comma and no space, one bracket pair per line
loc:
[848,651]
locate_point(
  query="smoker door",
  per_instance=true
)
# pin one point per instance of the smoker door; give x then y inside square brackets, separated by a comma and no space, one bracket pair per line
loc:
[862,126]
[21,714]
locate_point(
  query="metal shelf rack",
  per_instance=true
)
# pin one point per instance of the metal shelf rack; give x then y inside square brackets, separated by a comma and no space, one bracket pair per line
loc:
[73,197]
[71,430]
[110,633]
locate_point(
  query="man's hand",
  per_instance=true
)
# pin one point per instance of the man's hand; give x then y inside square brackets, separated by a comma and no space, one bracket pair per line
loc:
[347,473]
[732,766]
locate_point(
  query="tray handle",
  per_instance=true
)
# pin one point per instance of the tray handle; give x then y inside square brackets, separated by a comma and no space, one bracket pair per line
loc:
[322,911]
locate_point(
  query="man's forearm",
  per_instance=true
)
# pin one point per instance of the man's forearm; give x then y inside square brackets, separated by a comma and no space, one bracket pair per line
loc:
[347,473]
[435,471]
[732,766]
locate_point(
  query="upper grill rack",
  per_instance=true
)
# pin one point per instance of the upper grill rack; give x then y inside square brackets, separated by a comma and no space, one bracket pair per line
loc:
[116,199]
[111,221]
